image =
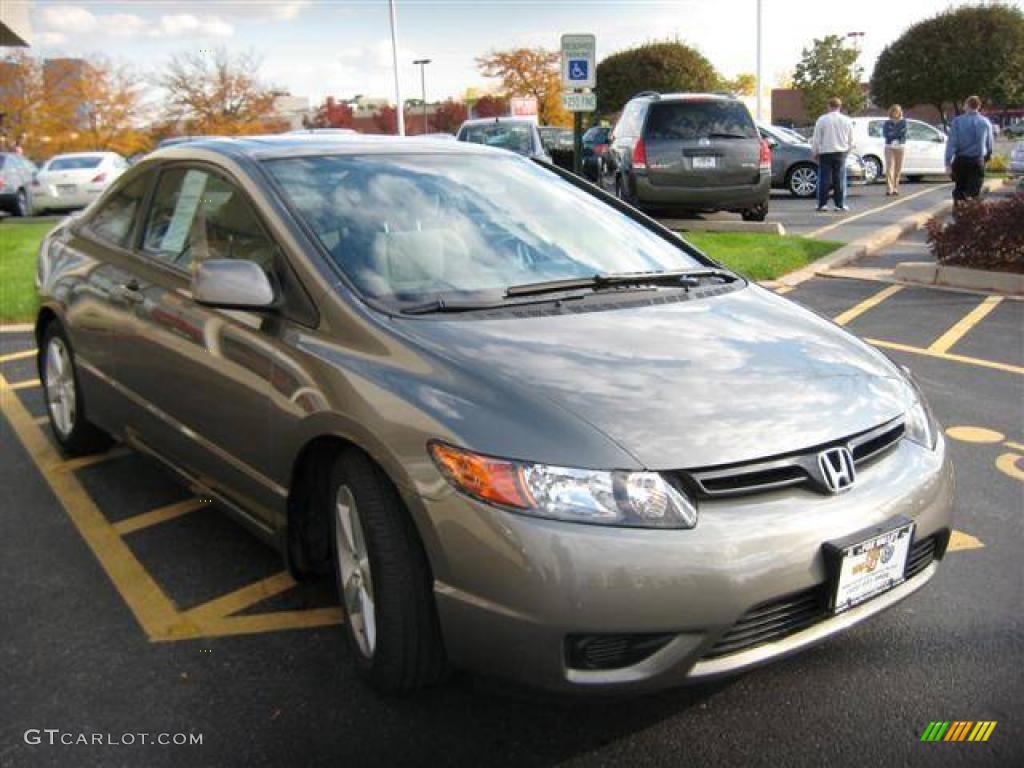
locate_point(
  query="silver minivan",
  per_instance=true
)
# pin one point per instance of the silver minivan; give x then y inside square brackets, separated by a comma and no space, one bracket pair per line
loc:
[529,431]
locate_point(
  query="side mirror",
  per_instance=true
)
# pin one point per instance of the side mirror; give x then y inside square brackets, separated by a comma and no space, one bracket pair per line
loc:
[772,142]
[232,284]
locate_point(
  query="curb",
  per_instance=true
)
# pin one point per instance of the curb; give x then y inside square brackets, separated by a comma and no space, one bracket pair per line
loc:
[701,225]
[17,328]
[883,238]
[988,281]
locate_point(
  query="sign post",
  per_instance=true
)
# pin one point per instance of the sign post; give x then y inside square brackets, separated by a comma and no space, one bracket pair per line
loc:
[579,78]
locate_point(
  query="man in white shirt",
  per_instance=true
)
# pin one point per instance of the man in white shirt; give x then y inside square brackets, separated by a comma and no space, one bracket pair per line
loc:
[832,140]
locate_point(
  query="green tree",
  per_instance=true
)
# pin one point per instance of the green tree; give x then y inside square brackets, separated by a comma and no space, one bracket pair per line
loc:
[665,67]
[944,59]
[744,84]
[829,68]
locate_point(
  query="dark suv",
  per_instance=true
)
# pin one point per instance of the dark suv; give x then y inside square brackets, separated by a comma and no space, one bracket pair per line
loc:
[693,151]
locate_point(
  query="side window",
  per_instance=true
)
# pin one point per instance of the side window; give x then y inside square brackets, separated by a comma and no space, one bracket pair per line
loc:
[920,132]
[875,129]
[629,123]
[197,215]
[113,222]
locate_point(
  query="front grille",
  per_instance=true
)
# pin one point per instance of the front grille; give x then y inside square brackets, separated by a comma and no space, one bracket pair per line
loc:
[776,619]
[793,469]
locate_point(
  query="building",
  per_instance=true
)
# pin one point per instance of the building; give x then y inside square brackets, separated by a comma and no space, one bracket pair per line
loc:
[293,110]
[788,109]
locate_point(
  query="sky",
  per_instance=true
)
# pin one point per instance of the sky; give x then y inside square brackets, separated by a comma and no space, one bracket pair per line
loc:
[317,48]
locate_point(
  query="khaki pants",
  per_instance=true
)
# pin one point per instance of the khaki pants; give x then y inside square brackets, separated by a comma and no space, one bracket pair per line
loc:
[893,166]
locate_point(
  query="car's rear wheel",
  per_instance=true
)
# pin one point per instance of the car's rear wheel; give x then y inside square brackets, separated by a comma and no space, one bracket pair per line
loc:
[872,169]
[65,405]
[757,213]
[802,180]
[383,578]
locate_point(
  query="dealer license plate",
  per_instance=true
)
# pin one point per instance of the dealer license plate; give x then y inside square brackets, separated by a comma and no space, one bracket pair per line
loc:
[66,189]
[872,566]
[704,162]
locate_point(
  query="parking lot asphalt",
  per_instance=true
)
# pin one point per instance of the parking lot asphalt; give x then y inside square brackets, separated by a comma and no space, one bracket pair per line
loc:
[131,607]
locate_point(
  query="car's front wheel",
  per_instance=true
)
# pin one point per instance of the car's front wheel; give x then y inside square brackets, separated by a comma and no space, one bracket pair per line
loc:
[65,405]
[20,204]
[802,180]
[383,578]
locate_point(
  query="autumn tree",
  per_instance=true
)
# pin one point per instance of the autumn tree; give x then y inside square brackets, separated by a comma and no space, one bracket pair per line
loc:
[829,68]
[386,120]
[332,114]
[664,67]
[943,60]
[490,106]
[65,105]
[744,84]
[217,93]
[530,72]
[449,115]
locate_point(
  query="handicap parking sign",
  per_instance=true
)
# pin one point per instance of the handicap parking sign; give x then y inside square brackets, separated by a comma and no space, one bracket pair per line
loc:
[579,60]
[578,70]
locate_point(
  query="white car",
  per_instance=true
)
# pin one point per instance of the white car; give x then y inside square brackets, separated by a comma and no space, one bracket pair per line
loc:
[1017,160]
[76,179]
[925,152]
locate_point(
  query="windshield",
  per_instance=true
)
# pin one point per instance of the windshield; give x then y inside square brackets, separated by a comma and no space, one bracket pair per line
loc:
[422,226]
[700,120]
[74,163]
[517,137]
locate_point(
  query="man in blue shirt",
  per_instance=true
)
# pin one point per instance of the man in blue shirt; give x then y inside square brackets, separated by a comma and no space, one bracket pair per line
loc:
[969,147]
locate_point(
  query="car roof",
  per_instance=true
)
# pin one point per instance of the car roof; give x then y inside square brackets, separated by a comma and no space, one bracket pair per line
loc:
[695,96]
[311,144]
[499,119]
[102,152]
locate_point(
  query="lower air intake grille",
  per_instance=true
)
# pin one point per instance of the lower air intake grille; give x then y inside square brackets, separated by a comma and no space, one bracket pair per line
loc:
[611,651]
[774,620]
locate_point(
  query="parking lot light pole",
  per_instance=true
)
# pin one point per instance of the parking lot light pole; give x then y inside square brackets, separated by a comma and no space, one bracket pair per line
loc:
[399,107]
[423,85]
[758,76]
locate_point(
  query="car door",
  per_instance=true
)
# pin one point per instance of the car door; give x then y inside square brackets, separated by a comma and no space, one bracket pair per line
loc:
[206,372]
[926,148]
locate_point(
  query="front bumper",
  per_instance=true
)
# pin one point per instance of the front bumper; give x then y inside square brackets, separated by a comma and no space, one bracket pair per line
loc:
[510,589]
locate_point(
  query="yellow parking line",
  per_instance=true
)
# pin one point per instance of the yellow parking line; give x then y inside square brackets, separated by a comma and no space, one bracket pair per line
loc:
[947,356]
[72,465]
[156,516]
[960,541]
[782,289]
[152,608]
[1013,445]
[41,420]
[872,301]
[964,324]
[849,219]
[12,356]
[27,384]
[233,602]
[273,622]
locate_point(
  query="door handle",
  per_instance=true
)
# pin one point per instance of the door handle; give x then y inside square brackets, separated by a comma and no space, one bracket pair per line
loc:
[129,292]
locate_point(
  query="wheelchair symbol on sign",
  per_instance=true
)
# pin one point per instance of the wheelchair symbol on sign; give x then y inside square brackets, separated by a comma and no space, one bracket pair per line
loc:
[577,69]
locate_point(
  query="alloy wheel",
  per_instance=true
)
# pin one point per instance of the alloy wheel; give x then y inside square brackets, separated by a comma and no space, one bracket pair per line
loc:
[60,386]
[355,583]
[803,182]
[872,170]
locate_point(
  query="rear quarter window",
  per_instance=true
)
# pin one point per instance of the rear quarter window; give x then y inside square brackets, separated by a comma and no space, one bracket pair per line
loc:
[875,129]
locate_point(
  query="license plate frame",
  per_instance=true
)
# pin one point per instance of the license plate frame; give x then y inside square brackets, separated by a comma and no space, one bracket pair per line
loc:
[67,189]
[704,162]
[868,563]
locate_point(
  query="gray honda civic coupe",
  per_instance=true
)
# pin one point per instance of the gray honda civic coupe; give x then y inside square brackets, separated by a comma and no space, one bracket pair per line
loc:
[530,432]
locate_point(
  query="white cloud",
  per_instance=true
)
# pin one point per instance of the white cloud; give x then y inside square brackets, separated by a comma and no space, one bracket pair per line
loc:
[288,11]
[52,38]
[68,18]
[123,24]
[178,24]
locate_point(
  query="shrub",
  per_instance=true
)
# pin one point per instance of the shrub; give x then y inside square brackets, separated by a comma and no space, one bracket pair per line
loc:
[983,235]
[998,164]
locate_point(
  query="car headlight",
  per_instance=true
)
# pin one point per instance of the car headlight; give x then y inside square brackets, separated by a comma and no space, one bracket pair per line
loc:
[920,424]
[631,499]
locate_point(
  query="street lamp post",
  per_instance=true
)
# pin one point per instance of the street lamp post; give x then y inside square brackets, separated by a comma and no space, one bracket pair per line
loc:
[423,84]
[758,77]
[399,108]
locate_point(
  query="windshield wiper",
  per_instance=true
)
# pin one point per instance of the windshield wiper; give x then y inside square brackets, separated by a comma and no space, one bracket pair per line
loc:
[461,305]
[683,278]
[728,136]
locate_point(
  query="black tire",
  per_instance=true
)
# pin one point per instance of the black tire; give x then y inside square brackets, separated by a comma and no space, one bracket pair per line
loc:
[83,437]
[408,651]
[757,213]
[799,180]
[20,207]
[622,191]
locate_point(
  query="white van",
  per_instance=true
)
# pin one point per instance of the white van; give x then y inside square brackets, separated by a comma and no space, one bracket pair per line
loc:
[924,155]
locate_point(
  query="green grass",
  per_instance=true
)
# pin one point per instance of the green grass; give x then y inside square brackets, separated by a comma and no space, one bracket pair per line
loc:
[19,244]
[761,257]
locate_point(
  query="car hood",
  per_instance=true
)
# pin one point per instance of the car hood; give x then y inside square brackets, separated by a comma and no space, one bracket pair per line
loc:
[698,383]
